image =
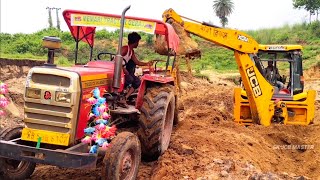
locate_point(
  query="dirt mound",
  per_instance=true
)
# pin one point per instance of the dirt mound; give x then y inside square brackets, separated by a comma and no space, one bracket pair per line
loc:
[202,152]
[13,73]
[198,104]
[312,78]
[313,72]
[14,110]
[13,68]
[207,144]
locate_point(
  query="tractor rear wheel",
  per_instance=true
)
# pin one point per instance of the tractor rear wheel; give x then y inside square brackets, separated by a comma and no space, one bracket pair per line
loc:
[156,121]
[14,169]
[122,158]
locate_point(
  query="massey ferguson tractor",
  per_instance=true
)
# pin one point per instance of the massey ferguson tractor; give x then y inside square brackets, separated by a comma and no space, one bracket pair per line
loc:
[71,114]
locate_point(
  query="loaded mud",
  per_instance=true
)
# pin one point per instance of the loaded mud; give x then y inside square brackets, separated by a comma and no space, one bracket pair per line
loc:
[206,144]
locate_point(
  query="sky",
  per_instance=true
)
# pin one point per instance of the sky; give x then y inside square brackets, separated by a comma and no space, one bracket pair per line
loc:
[28,16]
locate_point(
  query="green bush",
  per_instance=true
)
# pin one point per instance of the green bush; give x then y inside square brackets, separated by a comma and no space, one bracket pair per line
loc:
[62,61]
[103,35]
[315,29]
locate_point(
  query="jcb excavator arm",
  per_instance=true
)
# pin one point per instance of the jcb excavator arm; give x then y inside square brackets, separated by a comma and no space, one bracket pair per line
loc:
[259,91]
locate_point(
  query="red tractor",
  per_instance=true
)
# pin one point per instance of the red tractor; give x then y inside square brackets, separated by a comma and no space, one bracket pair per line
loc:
[63,103]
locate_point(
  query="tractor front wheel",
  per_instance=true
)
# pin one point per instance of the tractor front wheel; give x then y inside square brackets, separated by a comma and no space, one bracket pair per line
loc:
[156,121]
[13,169]
[122,158]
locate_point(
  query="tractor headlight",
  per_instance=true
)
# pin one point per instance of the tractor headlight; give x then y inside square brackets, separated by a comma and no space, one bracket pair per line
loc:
[33,93]
[63,97]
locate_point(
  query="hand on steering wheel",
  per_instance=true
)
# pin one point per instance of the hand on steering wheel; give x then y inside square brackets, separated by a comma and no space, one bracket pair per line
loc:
[150,66]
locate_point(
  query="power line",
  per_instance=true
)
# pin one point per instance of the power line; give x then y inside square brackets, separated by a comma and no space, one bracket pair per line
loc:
[50,17]
[58,21]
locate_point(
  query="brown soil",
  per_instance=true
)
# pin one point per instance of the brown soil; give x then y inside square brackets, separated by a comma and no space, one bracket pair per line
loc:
[187,45]
[313,72]
[207,144]
[312,76]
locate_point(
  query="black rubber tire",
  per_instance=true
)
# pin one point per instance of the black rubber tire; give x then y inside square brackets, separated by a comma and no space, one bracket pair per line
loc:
[156,121]
[5,130]
[26,168]
[125,143]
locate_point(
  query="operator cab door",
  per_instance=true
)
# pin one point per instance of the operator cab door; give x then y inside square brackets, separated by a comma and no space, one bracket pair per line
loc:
[296,72]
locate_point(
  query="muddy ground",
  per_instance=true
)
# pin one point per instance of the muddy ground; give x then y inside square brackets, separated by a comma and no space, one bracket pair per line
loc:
[206,144]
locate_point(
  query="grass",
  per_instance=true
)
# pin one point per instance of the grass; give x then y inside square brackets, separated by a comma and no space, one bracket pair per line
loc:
[62,61]
[311,62]
[311,55]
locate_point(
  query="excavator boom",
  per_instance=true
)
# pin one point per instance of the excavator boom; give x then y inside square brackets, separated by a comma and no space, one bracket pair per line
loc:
[228,38]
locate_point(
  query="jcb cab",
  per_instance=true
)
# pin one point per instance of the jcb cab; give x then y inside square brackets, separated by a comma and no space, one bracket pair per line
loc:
[293,105]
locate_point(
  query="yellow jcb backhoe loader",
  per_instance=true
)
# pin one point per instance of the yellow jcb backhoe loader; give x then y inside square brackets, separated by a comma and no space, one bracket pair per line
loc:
[261,102]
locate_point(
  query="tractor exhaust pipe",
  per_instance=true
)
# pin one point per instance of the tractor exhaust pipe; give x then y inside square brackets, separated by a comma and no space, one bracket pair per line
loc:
[118,58]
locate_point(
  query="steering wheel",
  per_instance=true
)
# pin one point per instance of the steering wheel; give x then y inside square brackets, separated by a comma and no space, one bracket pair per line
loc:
[112,55]
[155,64]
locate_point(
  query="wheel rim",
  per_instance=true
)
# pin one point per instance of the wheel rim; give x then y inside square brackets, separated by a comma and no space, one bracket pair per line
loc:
[167,128]
[128,165]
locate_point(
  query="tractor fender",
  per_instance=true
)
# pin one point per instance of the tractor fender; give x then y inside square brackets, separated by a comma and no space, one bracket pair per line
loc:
[148,80]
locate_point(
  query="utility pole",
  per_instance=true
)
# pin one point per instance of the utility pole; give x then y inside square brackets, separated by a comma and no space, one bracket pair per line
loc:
[50,17]
[58,21]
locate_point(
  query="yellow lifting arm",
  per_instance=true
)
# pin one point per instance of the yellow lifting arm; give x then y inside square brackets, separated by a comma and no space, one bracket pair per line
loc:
[259,91]
[231,39]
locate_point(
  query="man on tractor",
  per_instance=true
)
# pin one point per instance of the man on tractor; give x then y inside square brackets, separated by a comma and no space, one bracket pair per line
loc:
[130,62]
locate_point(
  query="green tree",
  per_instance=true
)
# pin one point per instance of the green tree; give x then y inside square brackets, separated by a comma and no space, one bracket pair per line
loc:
[312,6]
[223,8]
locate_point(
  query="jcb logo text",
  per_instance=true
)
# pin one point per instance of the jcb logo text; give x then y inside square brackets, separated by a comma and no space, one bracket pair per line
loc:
[254,82]
[243,38]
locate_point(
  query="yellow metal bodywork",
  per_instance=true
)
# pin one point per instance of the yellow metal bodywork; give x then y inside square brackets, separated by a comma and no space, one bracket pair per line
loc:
[279,47]
[258,107]
[301,107]
[48,115]
[229,38]
[259,90]
[243,45]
